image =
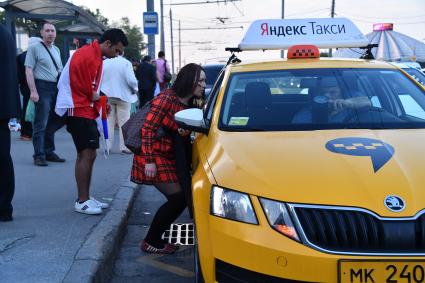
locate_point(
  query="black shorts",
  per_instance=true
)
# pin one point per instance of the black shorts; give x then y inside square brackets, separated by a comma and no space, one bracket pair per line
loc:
[84,132]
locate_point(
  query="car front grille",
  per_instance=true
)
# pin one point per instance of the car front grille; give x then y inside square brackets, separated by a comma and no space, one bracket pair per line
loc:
[357,231]
[227,273]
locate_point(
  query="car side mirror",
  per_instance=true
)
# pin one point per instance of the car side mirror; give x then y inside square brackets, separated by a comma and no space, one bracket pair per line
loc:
[192,119]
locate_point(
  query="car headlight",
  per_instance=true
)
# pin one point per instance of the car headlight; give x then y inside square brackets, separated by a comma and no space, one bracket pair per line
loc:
[278,217]
[232,205]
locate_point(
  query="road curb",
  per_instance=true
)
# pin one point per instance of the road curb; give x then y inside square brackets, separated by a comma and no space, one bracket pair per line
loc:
[94,262]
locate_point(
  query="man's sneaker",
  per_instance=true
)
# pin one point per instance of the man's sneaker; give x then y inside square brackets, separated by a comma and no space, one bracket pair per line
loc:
[87,207]
[53,157]
[99,204]
[40,162]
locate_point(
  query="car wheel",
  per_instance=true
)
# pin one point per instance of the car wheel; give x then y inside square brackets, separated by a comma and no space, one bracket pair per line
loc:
[199,278]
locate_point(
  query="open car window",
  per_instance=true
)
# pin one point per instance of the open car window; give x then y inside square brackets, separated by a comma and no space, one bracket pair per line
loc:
[309,99]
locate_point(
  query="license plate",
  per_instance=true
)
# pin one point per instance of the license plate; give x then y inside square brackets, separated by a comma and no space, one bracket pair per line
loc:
[370,271]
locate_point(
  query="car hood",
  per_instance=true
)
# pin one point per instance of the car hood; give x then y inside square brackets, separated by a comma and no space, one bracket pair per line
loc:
[346,167]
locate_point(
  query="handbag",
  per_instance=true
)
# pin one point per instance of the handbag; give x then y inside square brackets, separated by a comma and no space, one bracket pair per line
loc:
[167,74]
[54,62]
[131,129]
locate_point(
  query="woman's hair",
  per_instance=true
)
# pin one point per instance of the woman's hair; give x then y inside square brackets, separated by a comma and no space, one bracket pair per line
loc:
[187,80]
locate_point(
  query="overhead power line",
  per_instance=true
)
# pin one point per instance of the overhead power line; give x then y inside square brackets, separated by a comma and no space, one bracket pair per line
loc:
[389,18]
[240,27]
[203,2]
[394,22]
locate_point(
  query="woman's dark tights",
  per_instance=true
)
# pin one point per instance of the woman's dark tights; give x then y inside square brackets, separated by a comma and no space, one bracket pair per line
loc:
[167,213]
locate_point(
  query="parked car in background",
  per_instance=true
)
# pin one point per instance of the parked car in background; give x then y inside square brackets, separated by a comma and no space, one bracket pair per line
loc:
[211,71]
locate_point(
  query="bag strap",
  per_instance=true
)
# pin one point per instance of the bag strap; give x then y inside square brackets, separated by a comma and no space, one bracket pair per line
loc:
[51,57]
[165,65]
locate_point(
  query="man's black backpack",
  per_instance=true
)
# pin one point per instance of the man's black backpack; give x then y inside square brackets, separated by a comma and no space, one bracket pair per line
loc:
[131,130]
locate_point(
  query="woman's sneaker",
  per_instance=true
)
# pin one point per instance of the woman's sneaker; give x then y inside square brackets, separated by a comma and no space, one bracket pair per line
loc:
[99,203]
[167,249]
[88,207]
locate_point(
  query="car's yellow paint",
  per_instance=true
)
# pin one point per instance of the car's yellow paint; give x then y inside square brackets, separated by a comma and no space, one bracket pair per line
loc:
[295,167]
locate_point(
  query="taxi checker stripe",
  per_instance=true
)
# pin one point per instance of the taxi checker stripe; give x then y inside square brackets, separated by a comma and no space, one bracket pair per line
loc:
[357,145]
[303,52]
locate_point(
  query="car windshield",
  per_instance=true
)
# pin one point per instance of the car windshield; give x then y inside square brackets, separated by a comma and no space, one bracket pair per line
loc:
[313,99]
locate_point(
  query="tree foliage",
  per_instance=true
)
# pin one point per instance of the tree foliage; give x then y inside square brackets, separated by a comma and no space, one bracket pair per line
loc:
[99,17]
[136,45]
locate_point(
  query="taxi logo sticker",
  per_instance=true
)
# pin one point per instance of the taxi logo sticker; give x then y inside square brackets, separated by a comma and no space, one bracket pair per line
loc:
[379,152]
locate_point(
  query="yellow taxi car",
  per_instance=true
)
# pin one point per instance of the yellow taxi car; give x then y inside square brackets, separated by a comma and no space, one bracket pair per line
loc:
[309,169]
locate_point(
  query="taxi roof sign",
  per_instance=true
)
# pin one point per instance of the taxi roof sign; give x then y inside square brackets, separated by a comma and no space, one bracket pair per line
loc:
[321,32]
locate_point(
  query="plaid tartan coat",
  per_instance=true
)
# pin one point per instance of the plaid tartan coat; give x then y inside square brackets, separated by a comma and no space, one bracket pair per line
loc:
[158,151]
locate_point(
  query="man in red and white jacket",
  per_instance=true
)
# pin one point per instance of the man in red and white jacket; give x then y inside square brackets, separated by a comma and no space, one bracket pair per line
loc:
[78,96]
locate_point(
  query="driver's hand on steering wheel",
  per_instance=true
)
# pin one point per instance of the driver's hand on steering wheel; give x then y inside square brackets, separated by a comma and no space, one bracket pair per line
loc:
[350,103]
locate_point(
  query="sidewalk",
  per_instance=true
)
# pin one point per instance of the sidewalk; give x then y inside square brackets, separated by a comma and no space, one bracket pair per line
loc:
[48,241]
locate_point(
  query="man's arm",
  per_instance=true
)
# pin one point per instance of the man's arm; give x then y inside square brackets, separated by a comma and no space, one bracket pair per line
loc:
[357,102]
[31,84]
[131,78]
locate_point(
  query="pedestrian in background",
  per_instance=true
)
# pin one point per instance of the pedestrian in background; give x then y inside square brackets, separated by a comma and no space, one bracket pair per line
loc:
[119,84]
[161,67]
[156,165]
[79,88]
[26,129]
[146,74]
[43,66]
[9,108]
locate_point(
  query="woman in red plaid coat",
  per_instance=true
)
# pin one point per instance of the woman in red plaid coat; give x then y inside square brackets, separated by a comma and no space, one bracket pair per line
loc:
[156,164]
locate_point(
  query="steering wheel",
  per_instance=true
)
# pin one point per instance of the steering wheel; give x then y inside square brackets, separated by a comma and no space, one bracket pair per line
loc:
[367,113]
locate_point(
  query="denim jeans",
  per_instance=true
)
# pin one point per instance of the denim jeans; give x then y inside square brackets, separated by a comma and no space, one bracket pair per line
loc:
[7,175]
[46,121]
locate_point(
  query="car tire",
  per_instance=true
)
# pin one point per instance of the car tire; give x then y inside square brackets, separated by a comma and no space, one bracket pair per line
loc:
[199,278]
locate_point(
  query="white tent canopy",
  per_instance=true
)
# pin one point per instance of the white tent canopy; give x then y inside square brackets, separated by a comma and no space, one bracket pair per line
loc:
[392,46]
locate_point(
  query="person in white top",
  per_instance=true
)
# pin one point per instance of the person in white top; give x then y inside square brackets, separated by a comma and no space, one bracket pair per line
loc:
[120,85]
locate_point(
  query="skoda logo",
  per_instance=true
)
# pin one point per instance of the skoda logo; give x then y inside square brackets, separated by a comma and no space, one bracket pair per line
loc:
[394,203]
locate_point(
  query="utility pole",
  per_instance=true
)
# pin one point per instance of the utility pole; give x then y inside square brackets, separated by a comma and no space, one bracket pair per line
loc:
[180,47]
[332,15]
[172,43]
[162,47]
[151,37]
[282,52]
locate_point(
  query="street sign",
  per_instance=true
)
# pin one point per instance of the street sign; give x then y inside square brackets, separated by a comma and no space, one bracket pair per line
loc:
[150,23]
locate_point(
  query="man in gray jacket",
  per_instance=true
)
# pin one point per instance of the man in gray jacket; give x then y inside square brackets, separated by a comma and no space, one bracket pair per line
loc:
[9,108]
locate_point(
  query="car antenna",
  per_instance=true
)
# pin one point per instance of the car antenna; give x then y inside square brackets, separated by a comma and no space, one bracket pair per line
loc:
[233,59]
[368,51]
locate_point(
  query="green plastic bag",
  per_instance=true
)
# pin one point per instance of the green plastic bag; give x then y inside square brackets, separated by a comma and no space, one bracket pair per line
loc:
[133,108]
[30,112]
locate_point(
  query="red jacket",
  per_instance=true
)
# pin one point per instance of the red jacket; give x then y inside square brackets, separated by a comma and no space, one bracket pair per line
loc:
[85,72]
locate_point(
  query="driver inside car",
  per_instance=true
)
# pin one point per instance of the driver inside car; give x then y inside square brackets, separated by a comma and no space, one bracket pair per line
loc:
[337,108]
